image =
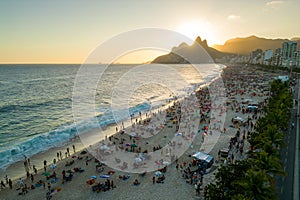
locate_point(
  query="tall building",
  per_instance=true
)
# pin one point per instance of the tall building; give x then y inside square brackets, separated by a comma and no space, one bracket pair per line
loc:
[256,56]
[288,54]
[276,61]
[268,54]
[297,58]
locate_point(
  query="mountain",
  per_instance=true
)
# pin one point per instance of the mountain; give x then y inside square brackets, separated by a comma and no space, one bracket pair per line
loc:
[246,45]
[198,52]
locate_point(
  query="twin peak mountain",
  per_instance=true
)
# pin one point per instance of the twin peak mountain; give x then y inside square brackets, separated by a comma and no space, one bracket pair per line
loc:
[200,52]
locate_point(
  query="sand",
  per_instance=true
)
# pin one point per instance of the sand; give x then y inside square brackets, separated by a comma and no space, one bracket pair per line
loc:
[174,187]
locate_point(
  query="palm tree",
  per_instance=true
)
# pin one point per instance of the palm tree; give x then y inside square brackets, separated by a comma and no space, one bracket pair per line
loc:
[257,186]
[269,163]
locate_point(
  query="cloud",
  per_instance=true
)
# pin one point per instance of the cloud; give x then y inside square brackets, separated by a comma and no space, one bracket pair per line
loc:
[274,3]
[233,17]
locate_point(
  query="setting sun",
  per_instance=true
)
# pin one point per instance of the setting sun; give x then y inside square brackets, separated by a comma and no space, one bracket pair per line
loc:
[194,29]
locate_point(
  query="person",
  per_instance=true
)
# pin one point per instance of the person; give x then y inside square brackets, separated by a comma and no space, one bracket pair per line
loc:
[25,189]
[57,155]
[21,183]
[73,148]
[60,155]
[2,185]
[49,187]
[112,184]
[45,162]
[136,182]
[6,179]
[34,169]
[32,178]
[28,162]
[153,179]
[10,183]
[68,151]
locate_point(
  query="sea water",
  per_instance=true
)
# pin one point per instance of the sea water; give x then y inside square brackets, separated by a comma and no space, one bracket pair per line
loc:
[36,104]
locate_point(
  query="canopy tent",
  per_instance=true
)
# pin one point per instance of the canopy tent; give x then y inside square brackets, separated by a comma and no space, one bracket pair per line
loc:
[206,158]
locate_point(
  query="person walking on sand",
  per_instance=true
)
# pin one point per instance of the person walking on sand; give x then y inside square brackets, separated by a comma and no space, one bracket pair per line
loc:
[28,162]
[68,151]
[112,184]
[2,185]
[73,148]
[6,179]
[60,155]
[32,178]
[49,187]
[57,155]
[34,169]
[10,184]
[153,179]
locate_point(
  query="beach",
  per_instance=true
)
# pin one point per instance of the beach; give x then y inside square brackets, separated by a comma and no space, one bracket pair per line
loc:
[155,131]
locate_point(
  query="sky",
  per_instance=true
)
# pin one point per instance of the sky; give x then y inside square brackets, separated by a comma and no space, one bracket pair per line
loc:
[67,31]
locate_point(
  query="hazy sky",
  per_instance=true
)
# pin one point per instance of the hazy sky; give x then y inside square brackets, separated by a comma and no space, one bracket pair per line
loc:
[61,31]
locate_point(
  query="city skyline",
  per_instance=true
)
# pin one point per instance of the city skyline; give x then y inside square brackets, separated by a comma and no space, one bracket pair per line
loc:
[67,31]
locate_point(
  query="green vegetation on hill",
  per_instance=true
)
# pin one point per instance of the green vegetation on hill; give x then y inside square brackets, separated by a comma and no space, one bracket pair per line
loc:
[254,177]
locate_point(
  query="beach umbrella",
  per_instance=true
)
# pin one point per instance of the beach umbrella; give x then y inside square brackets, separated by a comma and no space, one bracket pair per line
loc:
[138,160]
[158,173]
[165,163]
[178,134]
[52,166]
[133,145]
[133,134]
[46,173]
[104,176]
[104,147]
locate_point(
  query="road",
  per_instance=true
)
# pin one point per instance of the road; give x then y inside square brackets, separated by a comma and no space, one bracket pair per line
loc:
[285,185]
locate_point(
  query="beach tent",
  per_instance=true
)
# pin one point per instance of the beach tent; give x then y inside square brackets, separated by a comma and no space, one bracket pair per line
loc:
[206,158]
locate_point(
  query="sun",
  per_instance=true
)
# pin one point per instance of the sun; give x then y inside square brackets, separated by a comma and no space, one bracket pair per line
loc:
[194,29]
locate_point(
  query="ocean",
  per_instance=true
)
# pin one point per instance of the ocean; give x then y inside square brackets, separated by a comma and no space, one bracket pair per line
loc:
[36,103]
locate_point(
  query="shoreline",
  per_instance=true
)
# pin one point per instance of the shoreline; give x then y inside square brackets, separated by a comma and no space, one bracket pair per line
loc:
[16,170]
[79,189]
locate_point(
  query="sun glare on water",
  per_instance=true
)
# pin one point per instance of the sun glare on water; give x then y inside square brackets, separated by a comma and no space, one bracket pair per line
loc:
[194,29]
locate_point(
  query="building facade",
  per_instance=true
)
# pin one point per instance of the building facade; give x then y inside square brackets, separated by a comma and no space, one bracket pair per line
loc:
[288,58]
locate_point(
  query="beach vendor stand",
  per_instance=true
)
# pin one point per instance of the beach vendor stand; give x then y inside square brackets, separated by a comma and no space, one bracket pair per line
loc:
[203,159]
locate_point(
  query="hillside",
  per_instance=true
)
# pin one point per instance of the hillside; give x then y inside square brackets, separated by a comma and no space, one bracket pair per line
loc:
[246,45]
[198,52]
